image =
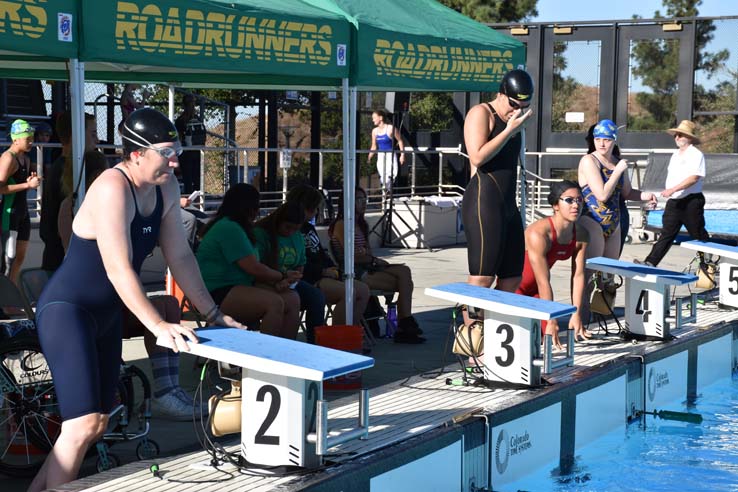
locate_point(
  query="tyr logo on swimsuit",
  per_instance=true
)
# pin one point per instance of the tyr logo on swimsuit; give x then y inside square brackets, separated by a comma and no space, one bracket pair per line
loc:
[147,230]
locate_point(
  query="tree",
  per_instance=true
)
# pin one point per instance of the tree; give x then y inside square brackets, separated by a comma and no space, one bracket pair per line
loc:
[656,64]
[494,10]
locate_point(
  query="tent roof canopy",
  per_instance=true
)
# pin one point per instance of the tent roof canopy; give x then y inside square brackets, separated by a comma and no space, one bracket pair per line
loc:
[291,44]
[423,45]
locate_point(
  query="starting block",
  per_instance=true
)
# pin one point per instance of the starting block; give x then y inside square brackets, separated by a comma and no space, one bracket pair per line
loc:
[284,419]
[512,333]
[647,296]
[728,267]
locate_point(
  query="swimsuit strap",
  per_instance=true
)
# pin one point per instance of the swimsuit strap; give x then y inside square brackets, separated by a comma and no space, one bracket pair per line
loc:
[130,185]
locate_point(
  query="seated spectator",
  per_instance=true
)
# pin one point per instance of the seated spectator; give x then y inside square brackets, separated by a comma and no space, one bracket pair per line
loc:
[282,247]
[169,399]
[320,269]
[230,266]
[552,239]
[378,273]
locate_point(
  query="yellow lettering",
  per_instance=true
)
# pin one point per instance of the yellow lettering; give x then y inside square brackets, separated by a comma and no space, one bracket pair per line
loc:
[35,29]
[194,32]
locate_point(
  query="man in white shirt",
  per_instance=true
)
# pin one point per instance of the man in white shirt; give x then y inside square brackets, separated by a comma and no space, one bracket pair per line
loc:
[686,204]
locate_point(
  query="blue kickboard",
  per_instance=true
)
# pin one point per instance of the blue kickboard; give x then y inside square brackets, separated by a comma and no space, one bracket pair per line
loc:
[633,270]
[714,248]
[542,308]
[268,353]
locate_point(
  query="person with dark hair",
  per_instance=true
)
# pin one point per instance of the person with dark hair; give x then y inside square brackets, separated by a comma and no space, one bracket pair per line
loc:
[130,209]
[384,136]
[282,248]
[685,204]
[492,222]
[624,213]
[230,265]
[57,185]
[16,178]
[553,239]
[377,273]
[192,132]
[320,269]
[42,135]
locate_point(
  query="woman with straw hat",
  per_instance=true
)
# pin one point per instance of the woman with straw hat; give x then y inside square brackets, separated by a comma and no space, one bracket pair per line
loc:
[686,203]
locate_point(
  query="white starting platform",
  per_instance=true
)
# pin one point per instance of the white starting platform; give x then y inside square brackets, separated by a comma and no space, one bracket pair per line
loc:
[727,266]
[284,418]
[647,300]
[512,333]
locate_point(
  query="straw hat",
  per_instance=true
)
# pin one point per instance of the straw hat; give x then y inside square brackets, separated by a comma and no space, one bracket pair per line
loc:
[687,128]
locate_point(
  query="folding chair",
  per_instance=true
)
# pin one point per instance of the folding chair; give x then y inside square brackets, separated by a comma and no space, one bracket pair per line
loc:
[32,283]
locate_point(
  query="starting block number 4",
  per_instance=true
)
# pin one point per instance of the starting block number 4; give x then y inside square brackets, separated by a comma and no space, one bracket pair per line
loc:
[646,308]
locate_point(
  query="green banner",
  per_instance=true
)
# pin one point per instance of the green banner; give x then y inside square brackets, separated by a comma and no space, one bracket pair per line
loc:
[39,27]
[285,37]
[422,45]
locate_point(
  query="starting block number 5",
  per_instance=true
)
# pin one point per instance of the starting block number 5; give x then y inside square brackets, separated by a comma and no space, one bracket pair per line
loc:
[729,284]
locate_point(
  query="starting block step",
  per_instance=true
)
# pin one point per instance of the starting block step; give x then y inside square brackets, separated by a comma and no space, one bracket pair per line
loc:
[284,419]
[500,301]
[727,266]
[274,355]
[647,296]
[512,334]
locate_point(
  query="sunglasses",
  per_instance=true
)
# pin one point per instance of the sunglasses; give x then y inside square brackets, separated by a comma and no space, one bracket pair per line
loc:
[166,152]
[570,200]
[515,104]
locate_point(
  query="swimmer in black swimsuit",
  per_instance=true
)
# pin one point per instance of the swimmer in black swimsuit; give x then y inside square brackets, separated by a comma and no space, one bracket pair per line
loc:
[492,222]
[126,212]
[16,178]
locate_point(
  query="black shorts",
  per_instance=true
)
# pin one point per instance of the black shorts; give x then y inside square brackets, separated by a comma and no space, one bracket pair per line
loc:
[494,230]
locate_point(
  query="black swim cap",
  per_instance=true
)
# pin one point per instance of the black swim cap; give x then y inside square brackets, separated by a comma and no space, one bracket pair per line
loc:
[517,84]
[146,127]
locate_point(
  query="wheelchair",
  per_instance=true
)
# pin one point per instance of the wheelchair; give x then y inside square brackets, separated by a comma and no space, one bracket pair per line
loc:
[29,413]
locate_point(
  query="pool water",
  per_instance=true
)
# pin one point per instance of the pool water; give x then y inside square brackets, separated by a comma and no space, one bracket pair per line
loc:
[663,456]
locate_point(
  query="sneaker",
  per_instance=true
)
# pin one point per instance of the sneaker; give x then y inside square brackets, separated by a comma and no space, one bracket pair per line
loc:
[190,402]
[171,407]
[643,262]
[410,325]
[408,337]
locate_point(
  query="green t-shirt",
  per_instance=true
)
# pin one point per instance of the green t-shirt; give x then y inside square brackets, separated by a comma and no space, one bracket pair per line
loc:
[291,249]
[223,245]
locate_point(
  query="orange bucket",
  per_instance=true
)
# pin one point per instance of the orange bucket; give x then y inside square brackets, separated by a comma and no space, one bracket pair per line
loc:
[348,338]
[172,289]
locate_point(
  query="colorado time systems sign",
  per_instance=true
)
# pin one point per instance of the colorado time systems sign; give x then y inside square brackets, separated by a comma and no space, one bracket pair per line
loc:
[524,444]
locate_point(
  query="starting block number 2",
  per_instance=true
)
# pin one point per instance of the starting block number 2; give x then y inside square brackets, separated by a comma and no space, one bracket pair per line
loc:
[277,414]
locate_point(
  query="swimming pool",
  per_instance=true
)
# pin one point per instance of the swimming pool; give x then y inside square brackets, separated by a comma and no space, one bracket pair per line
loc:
[663,456]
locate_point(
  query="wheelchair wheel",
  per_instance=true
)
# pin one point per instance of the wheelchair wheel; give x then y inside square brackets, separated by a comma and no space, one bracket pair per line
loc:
[29,415]
[147,449]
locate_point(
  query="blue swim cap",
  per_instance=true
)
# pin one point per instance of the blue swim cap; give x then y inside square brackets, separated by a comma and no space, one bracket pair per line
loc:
[605,129]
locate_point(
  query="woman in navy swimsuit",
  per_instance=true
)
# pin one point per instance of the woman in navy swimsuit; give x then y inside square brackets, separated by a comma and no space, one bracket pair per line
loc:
[126,212]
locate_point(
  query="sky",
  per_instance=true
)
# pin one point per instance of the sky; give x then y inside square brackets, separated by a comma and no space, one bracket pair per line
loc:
[580,10]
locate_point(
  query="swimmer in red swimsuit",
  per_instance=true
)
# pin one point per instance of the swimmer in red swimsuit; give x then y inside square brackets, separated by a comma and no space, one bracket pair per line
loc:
[552,239]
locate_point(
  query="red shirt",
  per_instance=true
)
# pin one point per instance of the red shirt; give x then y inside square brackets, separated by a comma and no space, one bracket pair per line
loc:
[529,286]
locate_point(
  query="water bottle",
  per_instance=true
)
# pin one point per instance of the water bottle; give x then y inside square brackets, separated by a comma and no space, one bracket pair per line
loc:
[391,320]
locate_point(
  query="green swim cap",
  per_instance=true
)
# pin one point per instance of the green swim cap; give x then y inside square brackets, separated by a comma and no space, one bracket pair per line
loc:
[20,129]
